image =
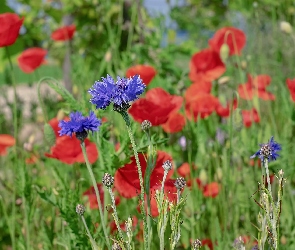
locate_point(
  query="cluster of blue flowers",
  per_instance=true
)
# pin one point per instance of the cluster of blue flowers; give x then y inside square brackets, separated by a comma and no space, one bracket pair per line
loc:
[120,93]
[105,92]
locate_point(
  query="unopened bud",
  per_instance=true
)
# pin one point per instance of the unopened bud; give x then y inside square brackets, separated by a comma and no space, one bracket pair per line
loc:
[224,52]
[80,209]
[145,125]
[223,80]
[167,165]
[107,180]
[286,27]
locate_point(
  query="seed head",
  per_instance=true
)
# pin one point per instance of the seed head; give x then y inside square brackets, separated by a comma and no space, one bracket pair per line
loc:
[116,246]
[197,244]
[80,209]
[180,183]
[107,180]
[167,165]
[145,125]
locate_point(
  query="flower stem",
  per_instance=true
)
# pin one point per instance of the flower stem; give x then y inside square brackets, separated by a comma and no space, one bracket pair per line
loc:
[145,226]
[267,175]
[115,214]
[89,235]
[96,193]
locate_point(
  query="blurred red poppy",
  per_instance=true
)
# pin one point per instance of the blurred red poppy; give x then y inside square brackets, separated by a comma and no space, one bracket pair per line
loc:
[175,123]
[126,177]
[208,243]
[184,170]
[6,141]
[64,33]
[211,190]
[225,111]
[197,88]
[31,59]
[233,37]
[256,86]
[90,193]
[250,116]
[146,72]
[10,24]
[201,105]
[291,87]
[32,159]
[155,107]
[206,65]
[68,150]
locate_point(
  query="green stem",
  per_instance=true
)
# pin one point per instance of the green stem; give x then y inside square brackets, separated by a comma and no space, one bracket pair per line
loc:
[89,235]
[145,226]
[28,240]
[115,215]
[96,193]
[15,145]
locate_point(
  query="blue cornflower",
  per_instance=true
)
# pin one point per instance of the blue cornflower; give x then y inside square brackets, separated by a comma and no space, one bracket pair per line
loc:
[120,93]
[268,150]
[79,124]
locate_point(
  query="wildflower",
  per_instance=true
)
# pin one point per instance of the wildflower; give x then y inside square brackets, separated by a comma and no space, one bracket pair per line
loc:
[80,209]
[211,190]
[256,86]
[79,124]
[250,116]
[174,124]
[234,38]
[126,177]
[286,27]
[206,65]
[31,59]
[180,183]
[156,107]
[291,87]
[107,180]
[6,141]
[121,93]
[10,26]
[68,150]
[201,105]
[146,73]
[268,150]
[225,111]
[64,33]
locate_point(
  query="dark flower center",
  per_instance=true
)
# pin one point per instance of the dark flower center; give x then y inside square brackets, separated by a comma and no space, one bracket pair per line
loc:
[265,150]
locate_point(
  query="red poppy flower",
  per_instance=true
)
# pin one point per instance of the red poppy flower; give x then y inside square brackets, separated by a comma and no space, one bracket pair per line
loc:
[31,59]
[64,33]
[175,123]
[126,178]
[250,116]
[225,111]
[206,65]
[32,159]
[146,72]
[197,88]
[208,243]
[68,150]
[155,107]
[211,190]
[256,86]
[6,141]
[90,193]
[291,87]
[201,105]
[10,24]
[233,37]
